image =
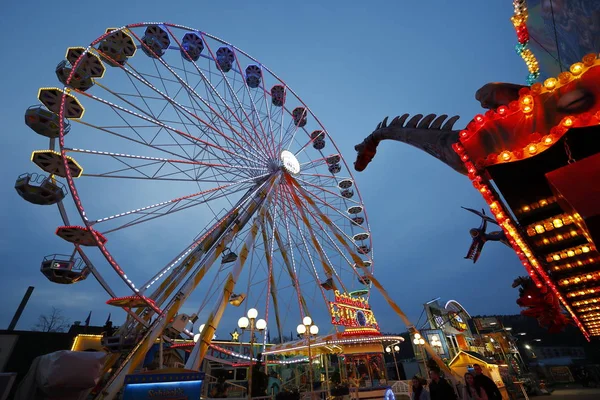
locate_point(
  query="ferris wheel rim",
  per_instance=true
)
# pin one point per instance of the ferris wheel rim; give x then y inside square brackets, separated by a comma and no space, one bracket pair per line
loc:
[73,187]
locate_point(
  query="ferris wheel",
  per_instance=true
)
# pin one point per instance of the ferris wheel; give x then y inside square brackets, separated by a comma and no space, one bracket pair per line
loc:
[160,133]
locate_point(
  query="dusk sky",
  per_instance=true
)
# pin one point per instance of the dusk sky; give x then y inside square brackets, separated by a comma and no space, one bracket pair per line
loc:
[353,64]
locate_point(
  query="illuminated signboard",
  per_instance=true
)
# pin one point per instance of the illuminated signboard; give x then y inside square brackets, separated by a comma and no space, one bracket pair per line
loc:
[351,312]
[174,386]
[457,322]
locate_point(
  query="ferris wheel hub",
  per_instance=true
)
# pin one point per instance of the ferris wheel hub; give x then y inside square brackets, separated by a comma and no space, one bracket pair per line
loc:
[290,162]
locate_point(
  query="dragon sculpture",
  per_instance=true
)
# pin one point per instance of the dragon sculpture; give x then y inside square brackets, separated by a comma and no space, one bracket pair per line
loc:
[435,134]
[481,236]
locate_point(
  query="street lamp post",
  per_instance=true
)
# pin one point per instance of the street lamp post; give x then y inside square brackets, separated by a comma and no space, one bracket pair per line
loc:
[260,325]
[419,341]
[308,329]
[393,349]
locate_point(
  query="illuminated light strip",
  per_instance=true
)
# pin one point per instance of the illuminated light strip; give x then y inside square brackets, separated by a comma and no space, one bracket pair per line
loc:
[167,160]
[255,153]
[583,278]
[570,252]
[588,309]
[481,183]
[578,264]
[583,292]
[537,205]
[519,20]
[549,224]
[326,343]
[591,317]
[586,302]
[186,197]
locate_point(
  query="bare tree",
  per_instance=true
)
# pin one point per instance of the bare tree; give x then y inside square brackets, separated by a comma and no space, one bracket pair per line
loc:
[53,322]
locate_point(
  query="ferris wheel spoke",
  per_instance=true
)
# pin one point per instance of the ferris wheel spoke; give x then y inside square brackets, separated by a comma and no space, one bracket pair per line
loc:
[312,164]
[328,267]
[194,97]
[253,132]
[339,233]
[329,192]
[189,114]
[162,161]
[341,215]
[187,136]
[255,110]
[176,204]
[190,174]
[197,96]
[291,132]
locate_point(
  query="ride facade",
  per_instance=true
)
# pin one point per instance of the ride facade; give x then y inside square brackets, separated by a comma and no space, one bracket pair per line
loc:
[534,156]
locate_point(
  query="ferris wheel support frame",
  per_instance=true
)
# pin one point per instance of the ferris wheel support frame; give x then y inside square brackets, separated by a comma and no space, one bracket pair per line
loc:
[213,320]
[136,355]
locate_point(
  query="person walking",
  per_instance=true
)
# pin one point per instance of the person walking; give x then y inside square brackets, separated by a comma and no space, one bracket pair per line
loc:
[439,388]
[472,391]
[486,383]
[419,391]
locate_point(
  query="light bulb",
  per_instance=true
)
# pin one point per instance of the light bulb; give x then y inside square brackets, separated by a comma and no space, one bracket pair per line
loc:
[196,337]
[243,323]
[388,350]
[252,313]
[314,329]
[261,324]
[397,348]
[307,320]
[201,328]
[301,329]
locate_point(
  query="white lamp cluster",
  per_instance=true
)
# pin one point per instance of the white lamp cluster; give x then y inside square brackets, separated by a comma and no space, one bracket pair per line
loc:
[436,343]
[307,326]
[418,340]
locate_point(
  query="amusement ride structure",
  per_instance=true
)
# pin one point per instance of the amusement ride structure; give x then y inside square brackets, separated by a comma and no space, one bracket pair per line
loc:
[160,129]
[534,155]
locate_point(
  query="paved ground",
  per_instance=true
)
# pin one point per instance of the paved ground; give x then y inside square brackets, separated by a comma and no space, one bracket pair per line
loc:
[572,394]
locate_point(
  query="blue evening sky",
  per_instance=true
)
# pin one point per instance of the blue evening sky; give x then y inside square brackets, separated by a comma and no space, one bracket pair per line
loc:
[353,63]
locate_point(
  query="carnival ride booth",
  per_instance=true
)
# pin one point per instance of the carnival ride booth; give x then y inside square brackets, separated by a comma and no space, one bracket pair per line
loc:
[463,362]
[538,167]
[359,360]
